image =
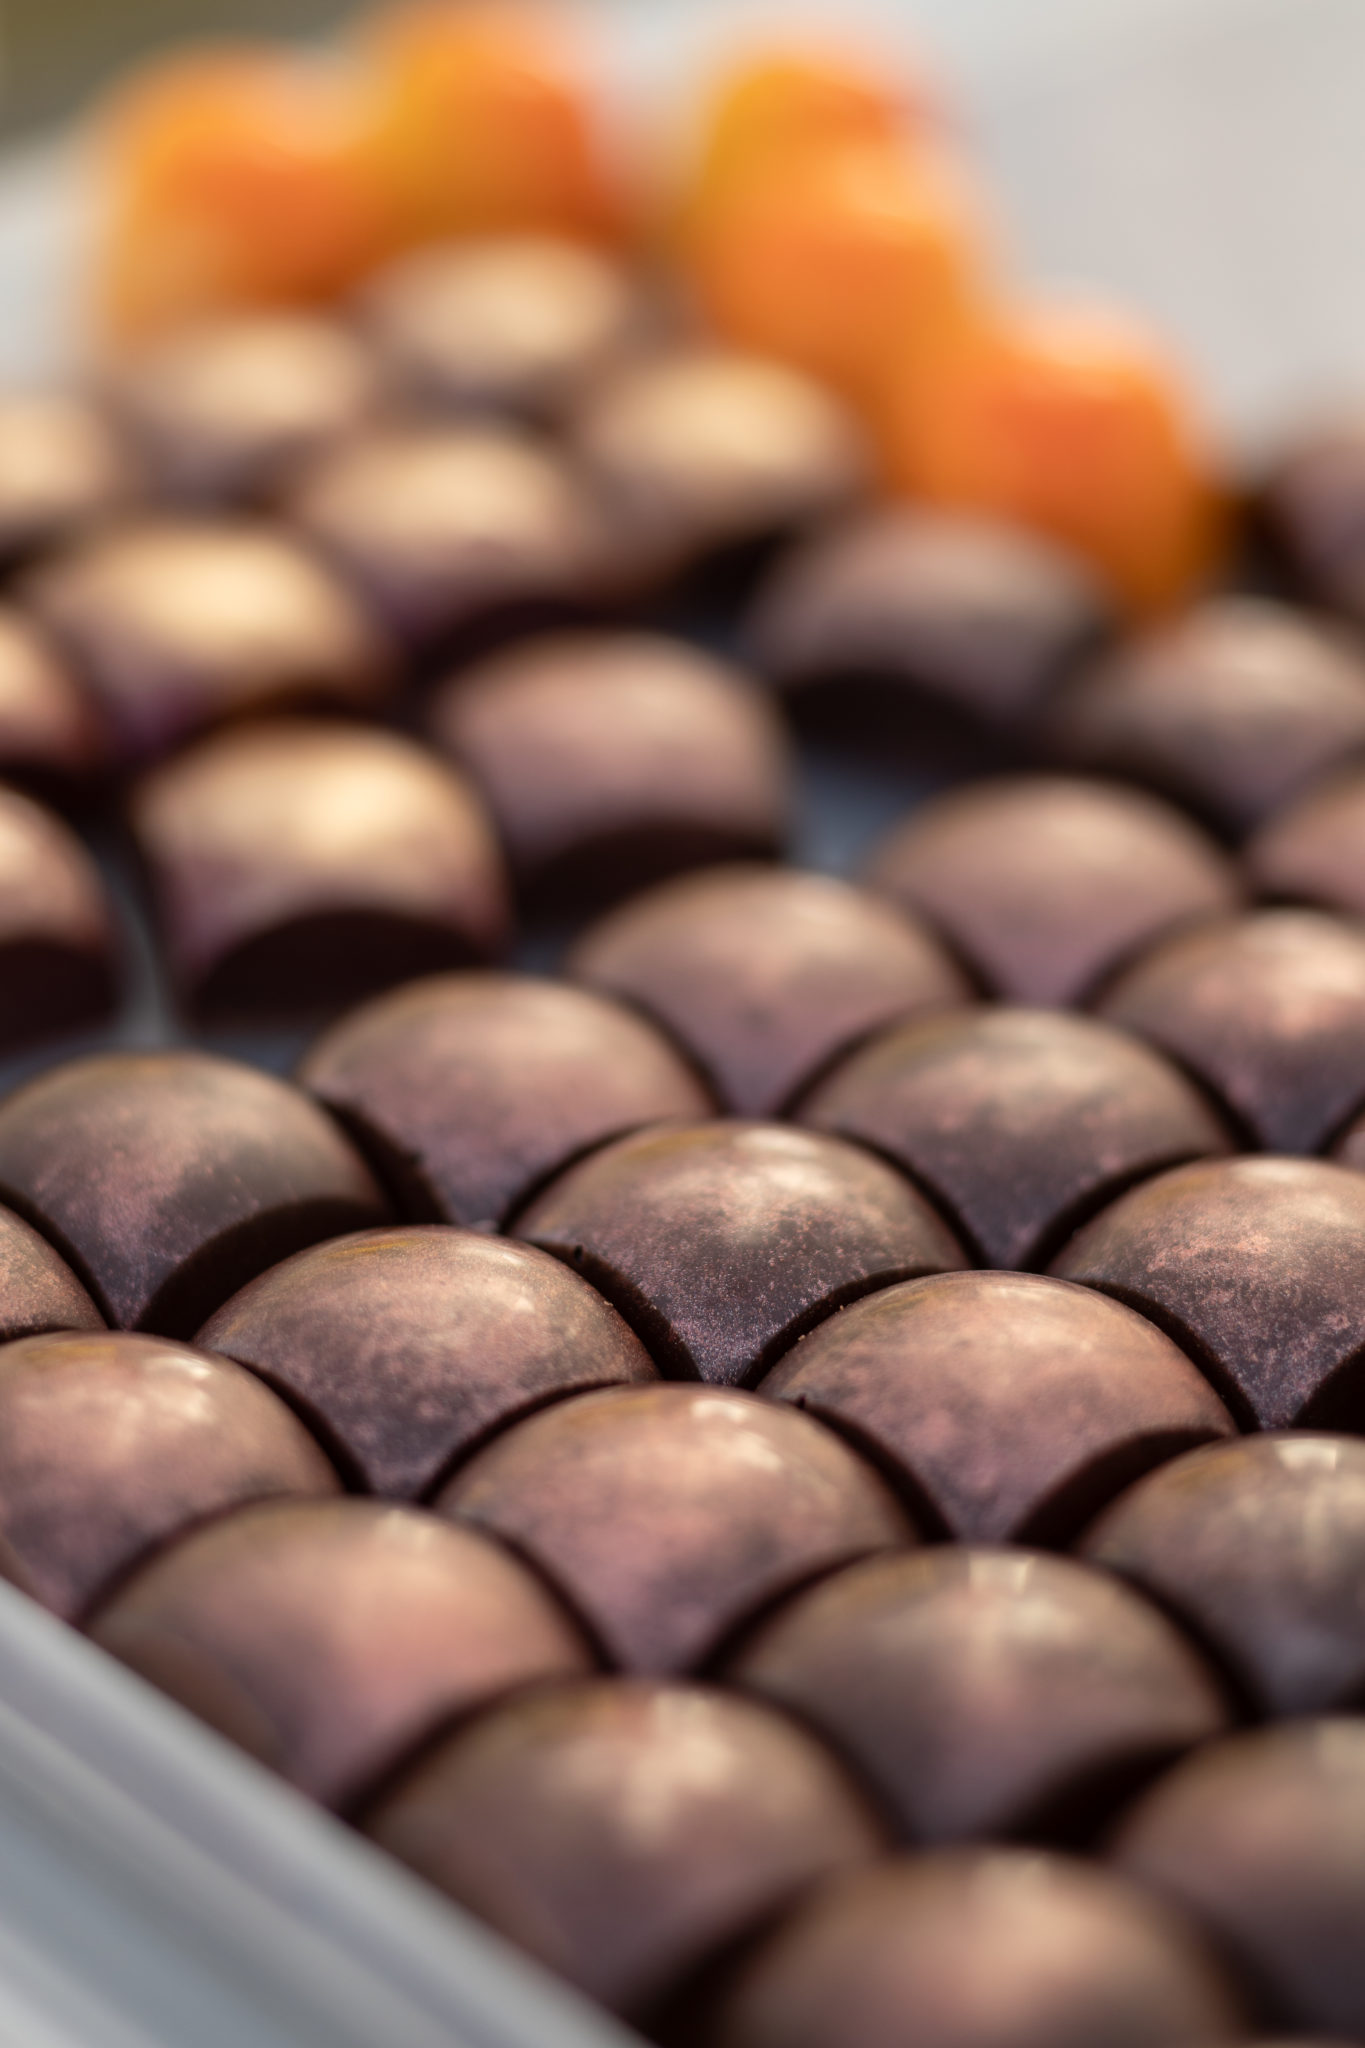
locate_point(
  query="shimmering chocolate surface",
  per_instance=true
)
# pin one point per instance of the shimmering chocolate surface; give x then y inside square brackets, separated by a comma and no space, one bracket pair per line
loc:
[1015,1406]
[1019,1122]
[60,948]
[1045,884]
[408,1347]
[112,1443]
[611,760]
[63,467]
[1269,1010]
[297,865]
[722,1242]
[1257,1268]
[1312,505]
[987,1948]
[626,1832]
[172,1178]
[38,1290]
[50,731]
[1261,1838]
[1313,851]
[1259,1548]
[474,1088]
[766,974]
[329,1638]
[669,1515]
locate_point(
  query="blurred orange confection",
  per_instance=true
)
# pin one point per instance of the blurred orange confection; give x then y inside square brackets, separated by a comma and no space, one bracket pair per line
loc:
[233,177]
[480,125]
[1073,423]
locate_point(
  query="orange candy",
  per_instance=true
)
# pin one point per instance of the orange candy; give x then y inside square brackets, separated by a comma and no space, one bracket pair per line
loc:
[480,126]
[230,178]
[1072,423]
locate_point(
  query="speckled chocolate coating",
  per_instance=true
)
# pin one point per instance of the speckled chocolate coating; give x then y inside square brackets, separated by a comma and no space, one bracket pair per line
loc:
[222,410]
[177,624]
[60,948]
[1014,1406]
[1313,851]
[766,974]
[1261,1838]
[987,1692]
[1235,709]
[1045,884]
[626,1832]
[448,528]
[988,1949]
[408,1347]
[668,1515]
[111,1443]
[63,467]
[50,733]
[298,865]
[1312,508]
[514,323]
[38,1290]
[1257,1268]
[721,1243]
[1019,1121]
[1269,1010]
[172,1178]
[329,1638]
[474,1088]
[611,760]
[985,617]
[1259,1548]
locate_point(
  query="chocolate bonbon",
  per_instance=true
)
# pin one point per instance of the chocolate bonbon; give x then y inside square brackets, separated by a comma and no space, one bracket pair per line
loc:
[406,1348]
[1258,1546]
[38,1290]
[64,467]
[1045,884]
[472,1089]
[1013,1406]
[670,1515]
[766,974]
[626,1832]
[170,1179]
[297,865]
[1311,506]
[60,946]
[612,760]
[1019,1121]
[722,1242]
[112,1443]
[1313,851]
[331,1637]
[51,735]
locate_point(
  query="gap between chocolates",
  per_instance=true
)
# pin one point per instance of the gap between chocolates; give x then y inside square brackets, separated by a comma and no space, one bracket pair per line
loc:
[807,1465]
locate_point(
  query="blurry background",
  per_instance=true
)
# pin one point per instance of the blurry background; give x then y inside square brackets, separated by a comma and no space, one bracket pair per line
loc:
[1202,160]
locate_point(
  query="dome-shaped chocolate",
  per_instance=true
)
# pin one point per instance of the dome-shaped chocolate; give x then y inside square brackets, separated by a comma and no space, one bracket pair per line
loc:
[64,466]
[1313,851]
[60,946]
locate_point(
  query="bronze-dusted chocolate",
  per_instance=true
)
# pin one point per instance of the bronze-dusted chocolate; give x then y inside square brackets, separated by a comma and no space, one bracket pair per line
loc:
[700,448]
[1013,1405]
[329,1638]
[301,864]
[112,1443]
[626,1832]
[1261,1839]
[38,1290]
[407,1348]
[1257,1268]
[669,1515]
[60,948]
[982,616]
[1268,1009]
[987,1692]
[1259,1548]
[170,1179]
[50,733]
[989,1948]
[511,323]
[721,1243]
[471,1089]
[1313,851]
[1019,1121]
[179,623]
[767,974]
[223,410]
[451,528]
[63,467]
[1234,710]
[1046,883]
[1311,507]
[612,760]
